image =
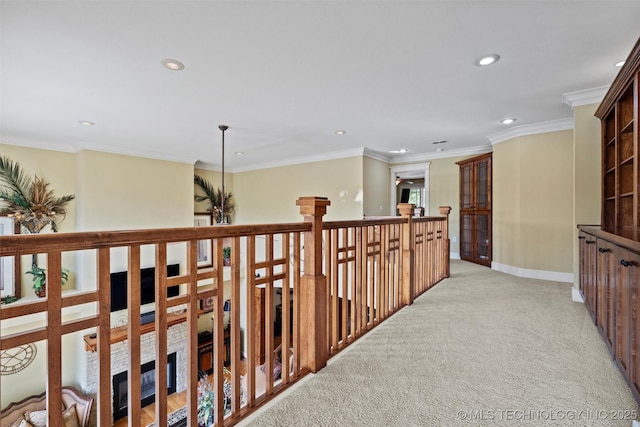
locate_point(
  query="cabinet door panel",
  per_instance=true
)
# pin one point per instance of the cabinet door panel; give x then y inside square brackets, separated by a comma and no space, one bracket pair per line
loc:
[466,240]
[628,324]
[466,186]
[628,275]
[483,237]
[591,265]
[483,184]
[605,290]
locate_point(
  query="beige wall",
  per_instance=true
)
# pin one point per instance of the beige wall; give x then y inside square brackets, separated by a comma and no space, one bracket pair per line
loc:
[444,190]
[376,194]
[533,202]
[506,202]
[126,192]
[587,156]
[269,195]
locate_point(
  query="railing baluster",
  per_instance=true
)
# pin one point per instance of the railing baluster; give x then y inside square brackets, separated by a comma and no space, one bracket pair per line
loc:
[192,333]
[133,334]
[54,337]
[372,268]
[104,337]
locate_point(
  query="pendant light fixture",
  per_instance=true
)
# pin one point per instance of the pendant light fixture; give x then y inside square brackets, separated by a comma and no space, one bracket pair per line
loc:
[223,128]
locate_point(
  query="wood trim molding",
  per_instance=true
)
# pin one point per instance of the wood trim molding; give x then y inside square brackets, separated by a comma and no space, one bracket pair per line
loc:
[626,74]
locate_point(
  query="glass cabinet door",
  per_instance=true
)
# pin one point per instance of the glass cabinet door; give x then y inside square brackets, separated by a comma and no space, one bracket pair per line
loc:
[483,237]
[466,240]
[466,186]
[483,186]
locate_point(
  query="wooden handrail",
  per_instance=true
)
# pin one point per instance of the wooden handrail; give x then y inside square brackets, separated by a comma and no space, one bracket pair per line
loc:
[344,278]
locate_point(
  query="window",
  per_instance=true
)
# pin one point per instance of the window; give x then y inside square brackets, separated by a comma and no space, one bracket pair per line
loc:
[415,196]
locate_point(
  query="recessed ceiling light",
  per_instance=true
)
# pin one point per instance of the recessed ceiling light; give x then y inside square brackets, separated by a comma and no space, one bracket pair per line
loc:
[620,63]
[239,153]
[86,123]
[508,121]
[340,132]
[488,60]
[172,64]
[440,150]
[400,151]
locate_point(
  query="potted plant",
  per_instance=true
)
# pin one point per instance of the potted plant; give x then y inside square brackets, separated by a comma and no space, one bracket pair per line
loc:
[40,279]
[214,197]
[206,397]
[34,206]
[226,256]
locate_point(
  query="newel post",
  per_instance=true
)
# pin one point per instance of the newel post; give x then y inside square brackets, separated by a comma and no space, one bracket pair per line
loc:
[314,350]
[445,211]
[408,261]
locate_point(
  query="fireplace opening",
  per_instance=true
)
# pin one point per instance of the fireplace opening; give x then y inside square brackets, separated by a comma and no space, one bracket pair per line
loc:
[147,386]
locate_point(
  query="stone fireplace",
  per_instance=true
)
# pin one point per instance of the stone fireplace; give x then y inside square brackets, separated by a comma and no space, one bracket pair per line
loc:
[176,367]
[147,385]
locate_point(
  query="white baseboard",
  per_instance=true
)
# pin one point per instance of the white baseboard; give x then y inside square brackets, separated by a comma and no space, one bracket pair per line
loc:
[577,297]
[454,255]
[555,276]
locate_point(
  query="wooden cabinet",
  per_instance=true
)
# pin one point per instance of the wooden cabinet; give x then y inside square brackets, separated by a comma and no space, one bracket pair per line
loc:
[588,260]
[605,273]
[610,283]
[618,113]
[610,253]
[475,209]
[205,352]
[205,356]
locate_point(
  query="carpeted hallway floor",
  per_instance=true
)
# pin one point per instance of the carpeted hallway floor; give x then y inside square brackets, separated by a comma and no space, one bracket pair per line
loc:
[481,348]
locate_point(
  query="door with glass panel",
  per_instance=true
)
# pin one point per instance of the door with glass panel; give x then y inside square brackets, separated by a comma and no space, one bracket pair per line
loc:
[475,209]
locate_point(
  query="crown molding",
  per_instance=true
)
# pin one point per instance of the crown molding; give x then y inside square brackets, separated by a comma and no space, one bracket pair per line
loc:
[585,97]
[136,153]
[533,129]
[293,161]
[458,152]
[30,143]
[368,152]
[80,146]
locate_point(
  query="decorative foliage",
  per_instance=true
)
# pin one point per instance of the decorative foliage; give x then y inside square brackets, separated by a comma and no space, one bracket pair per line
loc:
[40,278]
[34,206]
[206,402]
[214,198]
[30,202]
[226,255]
[206,398]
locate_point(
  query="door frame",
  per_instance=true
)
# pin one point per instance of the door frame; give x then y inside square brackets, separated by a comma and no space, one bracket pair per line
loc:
[412,170]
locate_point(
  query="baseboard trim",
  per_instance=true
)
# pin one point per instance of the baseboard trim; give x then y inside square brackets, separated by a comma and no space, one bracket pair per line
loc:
[576,296]
[555,276]
[454,255]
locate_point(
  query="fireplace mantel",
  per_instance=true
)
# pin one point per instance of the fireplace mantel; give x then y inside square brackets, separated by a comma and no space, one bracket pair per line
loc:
[120,333]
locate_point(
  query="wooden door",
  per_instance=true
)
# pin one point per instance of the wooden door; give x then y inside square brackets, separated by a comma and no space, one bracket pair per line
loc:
[475,210]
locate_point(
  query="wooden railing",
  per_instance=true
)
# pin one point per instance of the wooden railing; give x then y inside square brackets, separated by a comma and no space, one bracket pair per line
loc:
[342,278]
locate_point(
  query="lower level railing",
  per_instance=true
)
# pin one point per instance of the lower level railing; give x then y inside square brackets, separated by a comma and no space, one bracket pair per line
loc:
[289,297]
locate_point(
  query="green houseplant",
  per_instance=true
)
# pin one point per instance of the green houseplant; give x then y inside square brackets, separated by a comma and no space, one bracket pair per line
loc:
[226,256]
[34,206]
[214,198]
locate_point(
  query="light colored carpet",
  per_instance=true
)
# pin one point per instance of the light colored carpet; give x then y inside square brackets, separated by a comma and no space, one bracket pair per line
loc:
[481,348]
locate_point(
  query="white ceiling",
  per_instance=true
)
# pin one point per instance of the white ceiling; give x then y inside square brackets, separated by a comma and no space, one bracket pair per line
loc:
[284,75]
